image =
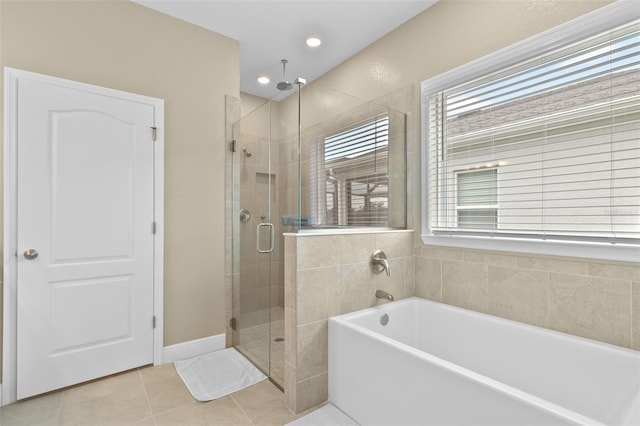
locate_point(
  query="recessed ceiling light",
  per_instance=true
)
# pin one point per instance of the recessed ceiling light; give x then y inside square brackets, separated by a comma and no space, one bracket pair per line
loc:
[313,41]
[263,80]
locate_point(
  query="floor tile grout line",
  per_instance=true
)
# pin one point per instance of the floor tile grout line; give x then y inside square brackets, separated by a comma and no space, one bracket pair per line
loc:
[266,419]
[146,395]
[60,408]
[194,402]
[241,409]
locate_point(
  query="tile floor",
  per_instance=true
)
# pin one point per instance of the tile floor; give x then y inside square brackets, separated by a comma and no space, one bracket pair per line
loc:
[260,342]
[261,348]
[148,396]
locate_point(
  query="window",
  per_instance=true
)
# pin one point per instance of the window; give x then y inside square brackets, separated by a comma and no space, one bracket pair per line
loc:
[354,166]
[546,148]
[368,200]
[477,199]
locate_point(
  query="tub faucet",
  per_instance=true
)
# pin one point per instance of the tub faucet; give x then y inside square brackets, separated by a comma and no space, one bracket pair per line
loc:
[381,294]
[378,262]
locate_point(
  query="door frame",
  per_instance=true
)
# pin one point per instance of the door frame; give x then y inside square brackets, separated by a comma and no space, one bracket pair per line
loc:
[10,263]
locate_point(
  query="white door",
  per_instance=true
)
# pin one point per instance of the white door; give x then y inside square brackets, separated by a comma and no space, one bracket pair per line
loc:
[85,212]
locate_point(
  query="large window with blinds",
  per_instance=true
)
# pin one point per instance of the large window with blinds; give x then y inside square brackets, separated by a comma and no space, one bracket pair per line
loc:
[543,149]
[352,164]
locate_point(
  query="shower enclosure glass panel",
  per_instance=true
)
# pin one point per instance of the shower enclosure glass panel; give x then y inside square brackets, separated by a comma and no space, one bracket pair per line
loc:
[348,160]
[258,300]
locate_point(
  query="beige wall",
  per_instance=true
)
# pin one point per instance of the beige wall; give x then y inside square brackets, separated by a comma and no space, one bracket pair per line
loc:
[250,104]
[121,45]
[446,35]
[585,297]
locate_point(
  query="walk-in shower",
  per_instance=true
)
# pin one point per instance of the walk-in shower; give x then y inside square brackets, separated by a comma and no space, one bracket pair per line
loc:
[318,159]
[257,278]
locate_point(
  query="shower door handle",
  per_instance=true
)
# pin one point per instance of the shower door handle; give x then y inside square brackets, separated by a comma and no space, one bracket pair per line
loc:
[271,237]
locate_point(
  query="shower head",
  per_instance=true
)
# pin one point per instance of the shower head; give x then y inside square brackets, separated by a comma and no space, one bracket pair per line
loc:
[246,153]
[284,84]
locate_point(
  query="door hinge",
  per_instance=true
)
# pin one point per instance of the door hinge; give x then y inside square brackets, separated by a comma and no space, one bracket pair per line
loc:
[154,133]
[154,321]
[232,146]
[233,323]
[153,227]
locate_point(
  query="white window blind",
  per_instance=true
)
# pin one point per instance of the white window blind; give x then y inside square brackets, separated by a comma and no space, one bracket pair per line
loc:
[477,199]
[561,132]
[350,175]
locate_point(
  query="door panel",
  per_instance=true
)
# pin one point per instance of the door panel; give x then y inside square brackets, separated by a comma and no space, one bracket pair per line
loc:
[101,190]
[85,203]
[68,327]
[258,309]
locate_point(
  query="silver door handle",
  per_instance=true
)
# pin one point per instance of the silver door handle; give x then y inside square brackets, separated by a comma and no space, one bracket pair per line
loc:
[30,254]
[271,237]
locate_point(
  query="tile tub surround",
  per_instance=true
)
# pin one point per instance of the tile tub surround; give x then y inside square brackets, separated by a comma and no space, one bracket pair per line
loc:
[599,300]
[588,298]
[327,275]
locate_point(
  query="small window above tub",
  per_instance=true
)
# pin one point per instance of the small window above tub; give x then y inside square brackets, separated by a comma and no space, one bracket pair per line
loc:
[350,169]
[536,147]
[355,164]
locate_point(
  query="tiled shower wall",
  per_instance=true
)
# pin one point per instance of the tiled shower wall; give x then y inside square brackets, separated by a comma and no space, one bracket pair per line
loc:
[327,275]
[599,300]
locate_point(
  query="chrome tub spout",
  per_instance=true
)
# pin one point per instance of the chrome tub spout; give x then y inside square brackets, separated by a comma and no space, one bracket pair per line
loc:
[381,294]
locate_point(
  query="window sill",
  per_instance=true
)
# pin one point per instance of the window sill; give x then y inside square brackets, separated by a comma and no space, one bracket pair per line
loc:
[602,251]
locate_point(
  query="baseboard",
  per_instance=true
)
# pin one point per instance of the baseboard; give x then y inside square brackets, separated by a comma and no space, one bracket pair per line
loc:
[194,348]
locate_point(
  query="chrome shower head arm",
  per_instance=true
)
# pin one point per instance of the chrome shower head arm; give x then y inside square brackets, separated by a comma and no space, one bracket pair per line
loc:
[284,84]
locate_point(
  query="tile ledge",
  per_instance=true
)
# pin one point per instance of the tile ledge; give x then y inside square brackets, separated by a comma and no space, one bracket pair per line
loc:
[315,233]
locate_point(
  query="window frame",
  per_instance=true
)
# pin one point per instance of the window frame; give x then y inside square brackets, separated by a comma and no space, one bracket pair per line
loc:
[615,14]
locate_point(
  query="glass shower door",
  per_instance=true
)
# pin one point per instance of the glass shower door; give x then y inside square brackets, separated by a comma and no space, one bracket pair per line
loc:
[257,308]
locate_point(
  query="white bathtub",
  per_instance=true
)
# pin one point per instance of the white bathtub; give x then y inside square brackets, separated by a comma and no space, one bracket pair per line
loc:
[435,364]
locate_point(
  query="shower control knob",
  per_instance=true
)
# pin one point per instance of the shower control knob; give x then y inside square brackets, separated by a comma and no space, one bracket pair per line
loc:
[245,215]
[30,254]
